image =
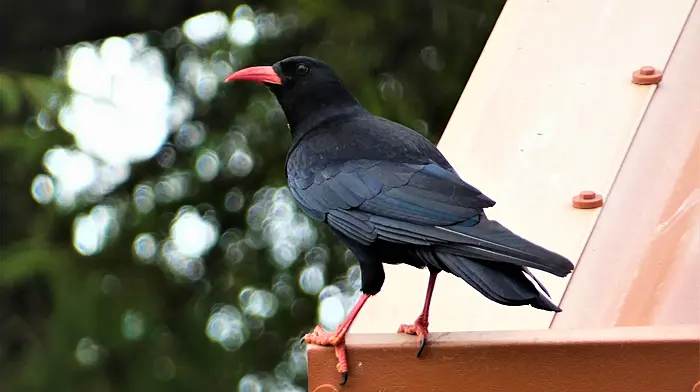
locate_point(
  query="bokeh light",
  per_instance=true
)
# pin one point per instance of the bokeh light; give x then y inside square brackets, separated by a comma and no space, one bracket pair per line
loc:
[121,93]
[205,28]
[43,189]
[312,279]
[192,235]
[133,325]
[91,231]
[227,327]
[243,31]
[87,352]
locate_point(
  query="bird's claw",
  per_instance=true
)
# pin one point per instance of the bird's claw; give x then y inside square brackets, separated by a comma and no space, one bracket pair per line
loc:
[322,337]
[422,346]
[420,328]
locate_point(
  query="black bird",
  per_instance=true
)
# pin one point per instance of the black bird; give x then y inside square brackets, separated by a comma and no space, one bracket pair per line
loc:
[390,196]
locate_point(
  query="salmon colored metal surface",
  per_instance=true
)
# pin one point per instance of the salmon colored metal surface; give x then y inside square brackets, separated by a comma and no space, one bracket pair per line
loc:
[549,110]
[642,263]
[634,359]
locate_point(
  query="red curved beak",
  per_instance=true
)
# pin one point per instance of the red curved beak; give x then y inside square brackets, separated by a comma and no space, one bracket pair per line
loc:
[262,74]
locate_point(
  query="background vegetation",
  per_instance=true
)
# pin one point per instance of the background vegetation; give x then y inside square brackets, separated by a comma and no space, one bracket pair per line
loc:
[147,242]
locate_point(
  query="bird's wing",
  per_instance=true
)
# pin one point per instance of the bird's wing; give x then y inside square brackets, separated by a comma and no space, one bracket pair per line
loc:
[370,199]
[415,204]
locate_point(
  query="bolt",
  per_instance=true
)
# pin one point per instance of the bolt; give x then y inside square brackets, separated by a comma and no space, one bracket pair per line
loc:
[587,200]
[647,75]
[647,70]
[587,195]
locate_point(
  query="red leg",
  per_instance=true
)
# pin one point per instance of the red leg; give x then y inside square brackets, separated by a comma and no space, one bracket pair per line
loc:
[420,326]
[336,339]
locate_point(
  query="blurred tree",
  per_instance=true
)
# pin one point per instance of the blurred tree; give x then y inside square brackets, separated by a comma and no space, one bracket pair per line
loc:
[147,241]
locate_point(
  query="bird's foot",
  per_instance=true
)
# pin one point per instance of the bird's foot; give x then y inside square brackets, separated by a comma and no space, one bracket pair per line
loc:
[420,328]
[322,337]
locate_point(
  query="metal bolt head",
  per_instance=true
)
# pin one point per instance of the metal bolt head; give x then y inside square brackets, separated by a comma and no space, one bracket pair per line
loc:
[587,200]
[587,195]
[647,75]
[647,70]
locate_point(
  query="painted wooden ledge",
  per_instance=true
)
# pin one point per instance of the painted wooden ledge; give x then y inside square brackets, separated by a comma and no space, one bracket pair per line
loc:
[622,359]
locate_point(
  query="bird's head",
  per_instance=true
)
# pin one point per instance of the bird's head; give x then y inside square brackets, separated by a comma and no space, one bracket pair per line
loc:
[304,86]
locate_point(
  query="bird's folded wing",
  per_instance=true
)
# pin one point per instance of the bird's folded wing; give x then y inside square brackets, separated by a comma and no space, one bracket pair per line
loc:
[361,196]
[417,205]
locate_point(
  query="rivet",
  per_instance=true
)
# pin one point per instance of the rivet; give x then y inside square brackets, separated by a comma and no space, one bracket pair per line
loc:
[587,195]
[647,70]
[647,75]
[587,200]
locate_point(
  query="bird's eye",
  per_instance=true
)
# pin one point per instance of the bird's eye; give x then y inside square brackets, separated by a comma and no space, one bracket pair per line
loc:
[302,69]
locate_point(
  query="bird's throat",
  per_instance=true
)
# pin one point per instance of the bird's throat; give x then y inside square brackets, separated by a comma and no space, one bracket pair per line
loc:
[306,110]
[319,118]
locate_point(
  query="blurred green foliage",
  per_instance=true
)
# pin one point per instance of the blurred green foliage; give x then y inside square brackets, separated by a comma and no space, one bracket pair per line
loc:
[405,60]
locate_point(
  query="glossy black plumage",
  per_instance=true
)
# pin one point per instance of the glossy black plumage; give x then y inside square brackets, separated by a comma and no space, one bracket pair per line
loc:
[392,197]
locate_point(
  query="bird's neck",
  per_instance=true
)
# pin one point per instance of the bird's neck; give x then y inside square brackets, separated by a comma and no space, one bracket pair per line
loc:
[300,125]
[305,111]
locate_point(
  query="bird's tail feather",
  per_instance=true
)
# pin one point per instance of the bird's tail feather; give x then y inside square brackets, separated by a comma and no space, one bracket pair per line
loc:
[504,283]
[490,241]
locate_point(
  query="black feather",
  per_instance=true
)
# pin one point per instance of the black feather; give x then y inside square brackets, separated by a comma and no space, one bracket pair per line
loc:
[499,282]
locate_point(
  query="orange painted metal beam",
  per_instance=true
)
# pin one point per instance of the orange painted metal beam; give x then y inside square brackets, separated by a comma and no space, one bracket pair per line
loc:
[641,265]
[548,112]
[631,359]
